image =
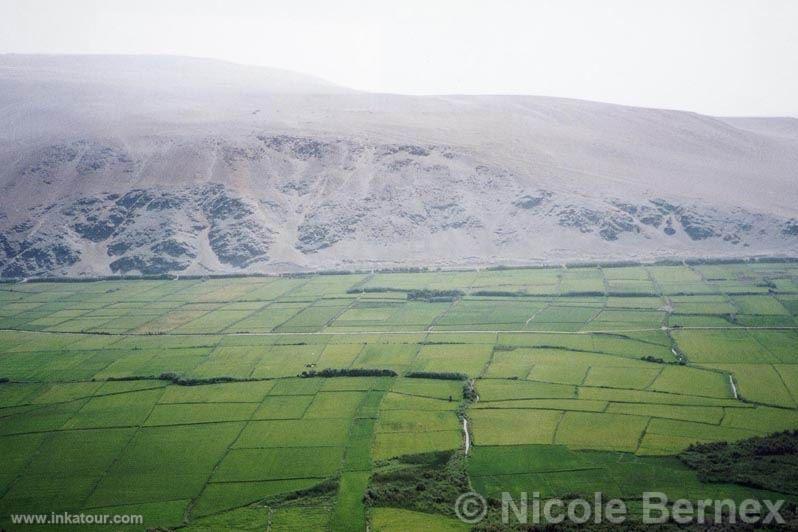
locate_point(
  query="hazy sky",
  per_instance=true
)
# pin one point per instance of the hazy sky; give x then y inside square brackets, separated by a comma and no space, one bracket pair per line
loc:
[725,57]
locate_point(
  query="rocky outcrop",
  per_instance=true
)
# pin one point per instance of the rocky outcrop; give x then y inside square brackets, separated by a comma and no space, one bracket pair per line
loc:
[25,253]
[418,193]
[103,169]
[149,231]
[327,225]
[530,201]
[76,159]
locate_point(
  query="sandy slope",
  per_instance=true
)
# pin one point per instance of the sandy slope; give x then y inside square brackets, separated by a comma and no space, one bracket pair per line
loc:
[252,169]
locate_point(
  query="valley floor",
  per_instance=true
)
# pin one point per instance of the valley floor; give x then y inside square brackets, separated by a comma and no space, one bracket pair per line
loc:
[183,401]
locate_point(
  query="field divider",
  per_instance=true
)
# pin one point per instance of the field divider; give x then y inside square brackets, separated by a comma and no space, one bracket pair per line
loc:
[783,383]
[349,512]
[440,316]
[404,332]
[557,427]
[774,358]
[538,311]
[259,309]
[643,434]
[244,424]
[320,479]
[124,448]
[43,405]
[584,378]
[338,314]
[607,388]
[300,309]
[657,376]
[28,462]
[545,471]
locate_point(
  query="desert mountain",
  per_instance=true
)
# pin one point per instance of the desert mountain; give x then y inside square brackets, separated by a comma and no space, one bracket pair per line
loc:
[128,164]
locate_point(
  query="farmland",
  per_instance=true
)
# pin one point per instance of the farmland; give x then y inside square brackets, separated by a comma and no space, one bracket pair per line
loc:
[197,403]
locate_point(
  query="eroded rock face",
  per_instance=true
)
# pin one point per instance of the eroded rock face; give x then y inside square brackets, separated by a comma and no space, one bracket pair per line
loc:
[80,158]
[697,223]
[24,254]
[49,159]
[314,196]
[326,226]
[147,265]
[148,231]
[96,157]
[273,172]
[302,148]
[530,201]
[99,226]
[609,224]
[791,228]
[236,234]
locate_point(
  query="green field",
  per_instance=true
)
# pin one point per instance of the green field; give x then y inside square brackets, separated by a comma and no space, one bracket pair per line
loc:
[182,400]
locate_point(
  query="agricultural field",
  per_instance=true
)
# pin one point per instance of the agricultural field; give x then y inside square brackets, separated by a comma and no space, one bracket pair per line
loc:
[313,402]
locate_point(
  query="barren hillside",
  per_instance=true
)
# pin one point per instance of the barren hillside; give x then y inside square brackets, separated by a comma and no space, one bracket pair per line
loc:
[115,164]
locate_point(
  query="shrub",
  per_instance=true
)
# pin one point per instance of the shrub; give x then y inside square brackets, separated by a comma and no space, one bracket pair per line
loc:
[373,289]
[174,378]
[497,293]
[469,392]
[762,462]
[349,372]
[440,375]
[432,296]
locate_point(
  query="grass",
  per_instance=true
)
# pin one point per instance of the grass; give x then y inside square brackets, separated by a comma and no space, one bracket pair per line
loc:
[722,347]
[241,465]
[610,377]
[759,383]
[468,359]
[545,404]
[397,520]
[696,431]
[588,430]
[189,414]
[178,470]
[397,401]
[514,426]
[648,397]
[226,496]
[283,407]
[235,392]
[339,355]
[394,444]
[334,404]
[437,389]
[392,356]
[758,305]
[566,402]
[129,409]
[761,419]
[692,381]
[503,390]
[348,513]
[701,414]
[295,433]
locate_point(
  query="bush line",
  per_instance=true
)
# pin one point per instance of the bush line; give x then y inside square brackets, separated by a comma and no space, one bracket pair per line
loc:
[439,375]
[348,372]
